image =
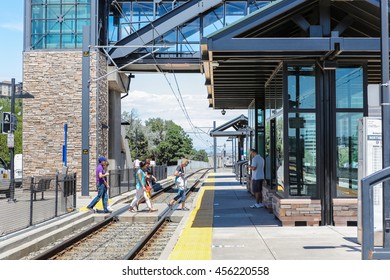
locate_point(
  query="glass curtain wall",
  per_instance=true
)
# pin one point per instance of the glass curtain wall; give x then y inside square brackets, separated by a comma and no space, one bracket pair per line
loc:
[58,24]
[274,157]
[302,148]
[349,96]
[127,17]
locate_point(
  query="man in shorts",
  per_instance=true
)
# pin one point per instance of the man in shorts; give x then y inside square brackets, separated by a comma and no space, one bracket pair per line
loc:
[257,167]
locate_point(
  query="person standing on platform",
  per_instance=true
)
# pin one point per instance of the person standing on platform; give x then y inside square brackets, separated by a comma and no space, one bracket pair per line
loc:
[101,186]
[141,189]
[257,167]
[181,184]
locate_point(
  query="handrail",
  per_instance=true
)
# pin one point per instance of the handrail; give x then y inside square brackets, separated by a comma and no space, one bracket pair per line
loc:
[367,184]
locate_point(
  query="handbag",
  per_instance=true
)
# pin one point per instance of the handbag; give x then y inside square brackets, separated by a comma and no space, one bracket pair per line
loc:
[180,183]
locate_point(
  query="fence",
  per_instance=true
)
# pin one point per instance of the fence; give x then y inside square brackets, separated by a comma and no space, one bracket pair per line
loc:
[39,199]
[123,180]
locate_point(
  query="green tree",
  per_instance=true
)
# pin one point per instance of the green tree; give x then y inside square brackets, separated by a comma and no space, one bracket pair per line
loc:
[200,155]
[176,145]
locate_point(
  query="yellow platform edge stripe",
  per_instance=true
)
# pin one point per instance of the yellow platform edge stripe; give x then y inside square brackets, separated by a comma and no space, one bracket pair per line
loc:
[195,242]
[98,206]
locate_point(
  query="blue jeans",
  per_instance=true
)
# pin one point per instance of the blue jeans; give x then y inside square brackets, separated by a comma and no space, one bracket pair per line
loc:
[102,194]
[180,194]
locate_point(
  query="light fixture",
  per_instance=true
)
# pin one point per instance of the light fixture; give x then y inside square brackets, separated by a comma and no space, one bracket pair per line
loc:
[223,112]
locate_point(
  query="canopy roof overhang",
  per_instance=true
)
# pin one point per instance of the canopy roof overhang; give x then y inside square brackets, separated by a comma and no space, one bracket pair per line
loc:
[239,126]
[244,60]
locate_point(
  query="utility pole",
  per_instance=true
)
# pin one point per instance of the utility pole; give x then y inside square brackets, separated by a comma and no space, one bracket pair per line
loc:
[11,143]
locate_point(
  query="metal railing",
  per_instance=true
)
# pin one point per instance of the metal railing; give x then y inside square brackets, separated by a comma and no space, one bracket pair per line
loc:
[123,180]
[369,252]
[40,199]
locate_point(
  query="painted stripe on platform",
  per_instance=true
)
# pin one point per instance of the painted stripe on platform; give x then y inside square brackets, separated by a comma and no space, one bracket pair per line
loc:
[98,206]
[195,241]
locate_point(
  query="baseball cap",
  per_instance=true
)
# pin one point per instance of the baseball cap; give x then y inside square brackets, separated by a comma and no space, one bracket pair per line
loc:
[102,159]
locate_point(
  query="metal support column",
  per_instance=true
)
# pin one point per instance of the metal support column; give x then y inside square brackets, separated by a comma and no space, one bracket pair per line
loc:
[385,90]
[11,141]
[85,112]
[215,150]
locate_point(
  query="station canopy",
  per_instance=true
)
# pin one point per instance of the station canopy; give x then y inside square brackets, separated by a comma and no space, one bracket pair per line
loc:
[244,60]
[236,127]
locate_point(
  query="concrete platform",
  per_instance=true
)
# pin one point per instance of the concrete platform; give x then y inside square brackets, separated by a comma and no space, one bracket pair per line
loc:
[224,225]
[239,232]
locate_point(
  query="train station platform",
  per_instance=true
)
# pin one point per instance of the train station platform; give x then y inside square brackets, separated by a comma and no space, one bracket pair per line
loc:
[222,226]
[219,226]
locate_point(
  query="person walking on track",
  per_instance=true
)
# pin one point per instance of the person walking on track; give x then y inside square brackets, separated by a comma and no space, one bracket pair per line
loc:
[141,189]
[181,184]
[101,186]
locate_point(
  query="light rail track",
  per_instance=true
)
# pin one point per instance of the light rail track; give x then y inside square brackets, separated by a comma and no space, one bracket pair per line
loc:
[113,239]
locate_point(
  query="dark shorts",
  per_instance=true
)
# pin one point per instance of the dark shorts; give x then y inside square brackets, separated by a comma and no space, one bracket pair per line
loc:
[257,186]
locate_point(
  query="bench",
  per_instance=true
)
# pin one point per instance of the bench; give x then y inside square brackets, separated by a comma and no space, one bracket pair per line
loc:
[40,187]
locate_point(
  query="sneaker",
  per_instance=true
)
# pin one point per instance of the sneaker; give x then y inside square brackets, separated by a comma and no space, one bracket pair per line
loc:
[185,209]
[257,205]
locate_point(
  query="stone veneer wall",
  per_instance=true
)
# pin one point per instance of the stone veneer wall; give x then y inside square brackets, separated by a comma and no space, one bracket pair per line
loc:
[292,212]
[345,211]
[55,80]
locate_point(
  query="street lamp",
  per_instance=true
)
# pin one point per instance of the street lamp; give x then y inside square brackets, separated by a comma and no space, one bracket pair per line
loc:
[21,94]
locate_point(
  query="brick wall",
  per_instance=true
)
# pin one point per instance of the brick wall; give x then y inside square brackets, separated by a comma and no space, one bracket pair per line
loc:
[292,212]
[55,80]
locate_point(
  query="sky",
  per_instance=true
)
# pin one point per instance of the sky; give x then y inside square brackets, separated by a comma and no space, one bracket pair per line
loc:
[151,95]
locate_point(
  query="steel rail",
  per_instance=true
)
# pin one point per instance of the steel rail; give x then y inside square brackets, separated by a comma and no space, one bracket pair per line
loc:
[163,218]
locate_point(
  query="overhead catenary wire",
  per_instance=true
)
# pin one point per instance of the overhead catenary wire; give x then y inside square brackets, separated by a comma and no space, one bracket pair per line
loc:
[178,96]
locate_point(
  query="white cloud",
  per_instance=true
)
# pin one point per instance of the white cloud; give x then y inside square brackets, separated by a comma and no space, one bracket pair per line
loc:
[152,97]
[15,26]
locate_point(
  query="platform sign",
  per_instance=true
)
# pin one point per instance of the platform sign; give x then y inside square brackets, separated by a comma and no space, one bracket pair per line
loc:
[6,127]
[370,161]
[11,140]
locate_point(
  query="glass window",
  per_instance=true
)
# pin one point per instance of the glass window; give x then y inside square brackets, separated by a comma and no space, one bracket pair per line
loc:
[69,11]
[80,24]
[302,154]
[69,26]
[143,12]
[55,23]
[68,41]
[190,31]
[349,87]
[213,21]
[83,11]
[53,26]
[256,5]
[279,153]
[301,87]
[235,11]
[163,8]
[53,11]
[37,12]
[38,42]
[347,153]
[53,41]
[38,26]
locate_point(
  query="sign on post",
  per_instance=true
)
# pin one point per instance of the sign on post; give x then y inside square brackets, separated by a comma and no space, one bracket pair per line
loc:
[6,128]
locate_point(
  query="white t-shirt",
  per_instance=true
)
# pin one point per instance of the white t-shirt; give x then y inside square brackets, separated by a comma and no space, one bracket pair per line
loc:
[258,162]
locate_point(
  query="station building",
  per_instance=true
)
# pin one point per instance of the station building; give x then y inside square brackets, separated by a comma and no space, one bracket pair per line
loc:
[305,70]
